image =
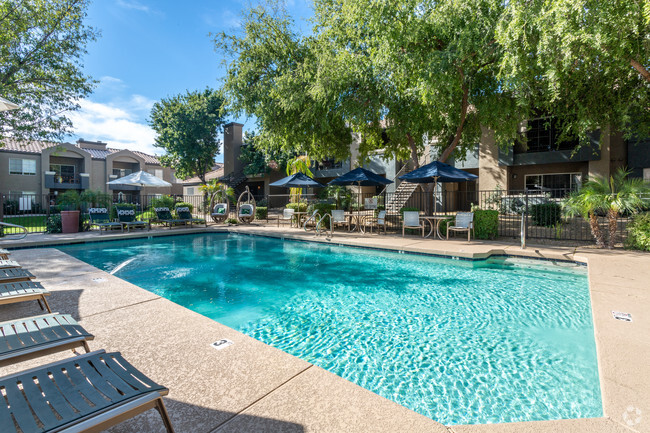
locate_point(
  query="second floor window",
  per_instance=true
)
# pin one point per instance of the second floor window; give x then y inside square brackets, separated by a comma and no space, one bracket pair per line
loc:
[64,173]
[22,166]
[543,135]
[121,172]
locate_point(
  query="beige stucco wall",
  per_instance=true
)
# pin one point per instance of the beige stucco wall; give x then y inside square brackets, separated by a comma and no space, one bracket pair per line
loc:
[490,173]
[98,176]
[18,182]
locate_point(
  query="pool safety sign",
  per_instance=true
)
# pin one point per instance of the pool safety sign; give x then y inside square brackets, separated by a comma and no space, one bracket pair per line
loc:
[222,344]
[626,317]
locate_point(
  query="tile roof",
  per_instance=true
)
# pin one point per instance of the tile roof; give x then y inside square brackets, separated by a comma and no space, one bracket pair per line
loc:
[37,147]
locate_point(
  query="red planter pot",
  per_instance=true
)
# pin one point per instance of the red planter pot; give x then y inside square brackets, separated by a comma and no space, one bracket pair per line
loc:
[69,221]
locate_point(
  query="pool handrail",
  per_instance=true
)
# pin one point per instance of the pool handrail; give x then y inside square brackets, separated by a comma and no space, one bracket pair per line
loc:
[312,217]
[16,226]
[319,224]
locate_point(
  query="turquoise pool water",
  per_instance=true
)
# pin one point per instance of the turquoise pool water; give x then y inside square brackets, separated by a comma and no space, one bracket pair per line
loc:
[459,342]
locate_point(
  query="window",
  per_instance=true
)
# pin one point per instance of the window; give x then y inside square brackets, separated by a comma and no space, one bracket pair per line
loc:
[190,190]
[121,172]
[22,166]
[543,134]
[158,173]
[646,174]
[64,173]
[558,184]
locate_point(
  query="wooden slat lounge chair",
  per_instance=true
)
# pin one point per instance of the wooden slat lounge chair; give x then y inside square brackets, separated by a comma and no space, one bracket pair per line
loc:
[11,275]
[126,217]
[24,291]
[38,336]
[163,215]
[7,264]
[90,392]
[184,214]
[4,254]
[100,218]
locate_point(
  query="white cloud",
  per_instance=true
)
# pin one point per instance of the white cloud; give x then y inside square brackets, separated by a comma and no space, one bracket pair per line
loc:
[120,126]
[132,4]
[222,19]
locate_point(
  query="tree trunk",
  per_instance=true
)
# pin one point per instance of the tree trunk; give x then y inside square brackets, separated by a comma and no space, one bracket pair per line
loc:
[612,216]
[461,124]
[414,151]
[595,230]
[640,69]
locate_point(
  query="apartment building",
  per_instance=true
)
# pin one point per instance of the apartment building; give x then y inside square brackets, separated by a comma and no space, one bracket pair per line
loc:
[46,169]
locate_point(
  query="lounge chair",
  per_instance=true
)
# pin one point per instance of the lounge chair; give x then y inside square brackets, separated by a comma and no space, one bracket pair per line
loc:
[184,214]
[219,212]
[163,215]
[89,392]
[338,219]
[126,217]
[41,335]
[287,216]
[9,264]
[464,223]
[24,291]
[4,254]
[412,221]
[99,217]
[12,275]
[379,221]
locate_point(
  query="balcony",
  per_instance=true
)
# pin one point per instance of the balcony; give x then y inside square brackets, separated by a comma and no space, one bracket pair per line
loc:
[57,181]
[121,187]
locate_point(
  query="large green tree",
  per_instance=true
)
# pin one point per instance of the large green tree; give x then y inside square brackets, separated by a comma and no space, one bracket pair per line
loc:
[42,43]
[587,62]
[187,127]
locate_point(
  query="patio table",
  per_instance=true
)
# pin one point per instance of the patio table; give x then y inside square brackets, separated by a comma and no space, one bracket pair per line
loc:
[434,223]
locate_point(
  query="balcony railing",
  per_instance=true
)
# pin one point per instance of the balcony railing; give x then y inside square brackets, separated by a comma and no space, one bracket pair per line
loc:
[64,178]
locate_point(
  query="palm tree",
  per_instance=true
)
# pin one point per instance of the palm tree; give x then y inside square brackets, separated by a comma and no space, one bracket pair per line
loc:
[299,164]
[216,190]
[612,197]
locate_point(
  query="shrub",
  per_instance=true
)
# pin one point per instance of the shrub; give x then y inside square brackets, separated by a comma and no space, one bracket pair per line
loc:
[69,200]
[164,201]
[261,212]
[121,206]
[90,199]
[486,224]
[53,224]
[546,214]
[638,229]
[401,211]
[233,221]
[10,207]
[298,207]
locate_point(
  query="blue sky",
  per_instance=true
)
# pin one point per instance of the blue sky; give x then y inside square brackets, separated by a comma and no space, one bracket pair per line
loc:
[148,50]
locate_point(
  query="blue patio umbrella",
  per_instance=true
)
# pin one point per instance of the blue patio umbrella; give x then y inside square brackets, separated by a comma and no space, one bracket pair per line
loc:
[435,172]
[297,180]
[360,177]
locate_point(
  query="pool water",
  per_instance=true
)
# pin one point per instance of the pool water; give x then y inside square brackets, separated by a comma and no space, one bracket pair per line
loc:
[461,342]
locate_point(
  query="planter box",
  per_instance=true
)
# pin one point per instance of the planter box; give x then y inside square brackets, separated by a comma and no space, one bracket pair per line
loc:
[69,221]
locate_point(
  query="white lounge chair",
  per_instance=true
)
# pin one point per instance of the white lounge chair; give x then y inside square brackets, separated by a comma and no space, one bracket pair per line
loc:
[379,221]
[287,216]
[339,219]
[464,223]
[412,221]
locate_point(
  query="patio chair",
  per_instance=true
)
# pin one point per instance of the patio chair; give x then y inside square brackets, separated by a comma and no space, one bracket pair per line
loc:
[89,392]
[12,275]
[163,215]
[287,216]
[246,213]
[338,218]
[412,221]
[126,217]
[24,291]
[184,214]
[99,217]
[4,254]
[379,221]
[31,337]
[464,223]
[9,264]
[220,212]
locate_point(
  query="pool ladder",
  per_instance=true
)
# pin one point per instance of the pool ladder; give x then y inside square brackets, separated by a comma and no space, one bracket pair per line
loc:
[15,226]
[320,221]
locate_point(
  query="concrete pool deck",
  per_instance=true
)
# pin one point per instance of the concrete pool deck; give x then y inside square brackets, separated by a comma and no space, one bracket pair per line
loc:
[250,386]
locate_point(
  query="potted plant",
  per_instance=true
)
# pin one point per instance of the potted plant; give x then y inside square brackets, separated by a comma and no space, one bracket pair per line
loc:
[69,203]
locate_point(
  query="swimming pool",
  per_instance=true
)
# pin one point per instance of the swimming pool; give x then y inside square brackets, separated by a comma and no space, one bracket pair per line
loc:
[497,340]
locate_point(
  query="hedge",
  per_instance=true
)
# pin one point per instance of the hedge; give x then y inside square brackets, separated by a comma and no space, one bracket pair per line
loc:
[261,212]
[298,207]
[486,224]
[638,229]
[546,214]
[184,204]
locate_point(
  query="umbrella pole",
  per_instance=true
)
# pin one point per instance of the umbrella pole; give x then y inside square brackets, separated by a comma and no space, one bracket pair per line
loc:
[435,196]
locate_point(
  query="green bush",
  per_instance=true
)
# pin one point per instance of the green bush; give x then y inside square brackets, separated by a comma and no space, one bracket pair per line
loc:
[546,214]
[261,212]
[121,206]
[486,224]
[90,199]
[164,201]
[638,237]
[10,207]
[69,200]
[233,221]
[184,204]
[298,207]
[53,224]
[402,210]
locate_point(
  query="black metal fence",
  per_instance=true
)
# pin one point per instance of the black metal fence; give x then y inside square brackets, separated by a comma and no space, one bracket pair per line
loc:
[541,211]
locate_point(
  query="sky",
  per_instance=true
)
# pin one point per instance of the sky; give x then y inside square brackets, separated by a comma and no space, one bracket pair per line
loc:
[152,49]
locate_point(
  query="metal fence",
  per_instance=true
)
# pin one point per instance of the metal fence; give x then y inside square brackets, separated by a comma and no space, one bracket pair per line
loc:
[541,211]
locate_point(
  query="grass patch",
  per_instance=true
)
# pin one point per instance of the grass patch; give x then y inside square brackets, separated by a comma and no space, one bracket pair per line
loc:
[33,223]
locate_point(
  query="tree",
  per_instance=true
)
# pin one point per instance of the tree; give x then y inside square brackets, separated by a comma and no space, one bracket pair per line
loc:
[42,43]
[187,128]
[217,192]
[257,159]
[612,197]
[587,62]
[394,73]
[299,164]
